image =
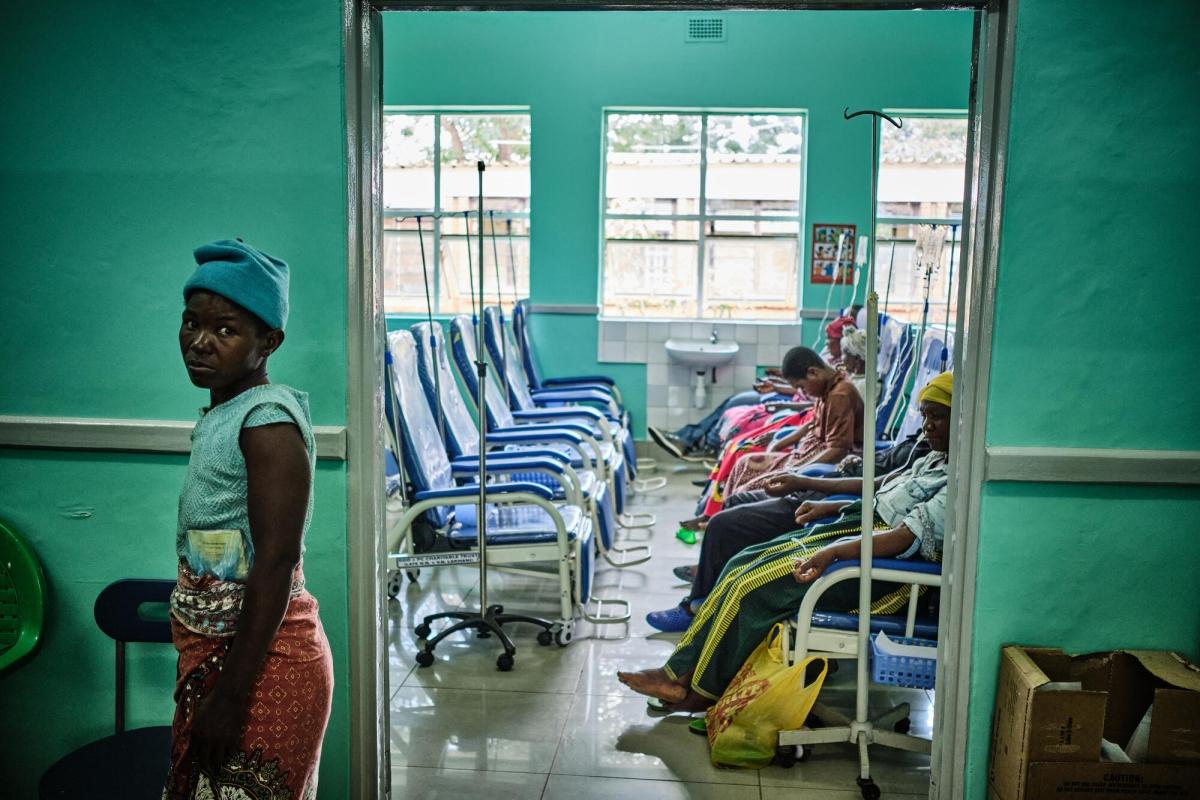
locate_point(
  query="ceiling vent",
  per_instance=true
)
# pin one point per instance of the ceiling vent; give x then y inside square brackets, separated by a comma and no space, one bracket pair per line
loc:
[705,29]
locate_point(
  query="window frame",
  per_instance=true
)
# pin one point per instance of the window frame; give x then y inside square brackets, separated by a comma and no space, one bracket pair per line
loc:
[955,238]
[702,216]
[435,214]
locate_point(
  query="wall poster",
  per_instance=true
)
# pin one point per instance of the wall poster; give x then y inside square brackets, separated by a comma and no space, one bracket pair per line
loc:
[826,267]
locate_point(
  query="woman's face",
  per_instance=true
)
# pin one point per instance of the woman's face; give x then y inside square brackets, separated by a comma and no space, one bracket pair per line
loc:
[937,425]
[221,342]
[855,365]
[835,347]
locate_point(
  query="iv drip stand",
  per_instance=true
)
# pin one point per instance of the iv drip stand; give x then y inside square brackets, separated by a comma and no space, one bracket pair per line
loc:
[490,618]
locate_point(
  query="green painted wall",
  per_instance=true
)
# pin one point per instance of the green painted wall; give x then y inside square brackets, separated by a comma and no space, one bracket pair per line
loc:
[132,133]
[1092,341]
[568,67]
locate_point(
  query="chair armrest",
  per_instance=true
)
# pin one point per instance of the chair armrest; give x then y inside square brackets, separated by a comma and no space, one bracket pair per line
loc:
[504,464]
[899,564]
[567,396]
[561,412]
[495,490]
[602,379]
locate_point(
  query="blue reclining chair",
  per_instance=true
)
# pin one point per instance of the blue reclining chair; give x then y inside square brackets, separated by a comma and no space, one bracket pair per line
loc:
[590,423]
[461,436]
[520,324]
[525,525]
[926,368]
[835,635]
[504,353]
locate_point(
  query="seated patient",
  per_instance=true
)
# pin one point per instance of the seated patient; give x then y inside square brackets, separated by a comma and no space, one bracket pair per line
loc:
[833,430]
[764,583]
[758,516]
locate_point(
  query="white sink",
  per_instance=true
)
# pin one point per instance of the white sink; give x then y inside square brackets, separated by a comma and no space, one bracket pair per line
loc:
[701,355]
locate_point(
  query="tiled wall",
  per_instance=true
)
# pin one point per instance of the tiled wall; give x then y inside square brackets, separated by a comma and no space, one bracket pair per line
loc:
[669,386]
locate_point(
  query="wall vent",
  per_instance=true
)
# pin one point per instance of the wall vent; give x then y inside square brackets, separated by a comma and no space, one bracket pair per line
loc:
[705,29]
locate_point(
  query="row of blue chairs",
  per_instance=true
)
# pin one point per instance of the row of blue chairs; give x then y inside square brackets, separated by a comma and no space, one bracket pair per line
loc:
[557,471]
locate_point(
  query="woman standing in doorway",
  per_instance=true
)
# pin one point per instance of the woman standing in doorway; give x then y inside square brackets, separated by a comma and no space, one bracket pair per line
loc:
[255,675]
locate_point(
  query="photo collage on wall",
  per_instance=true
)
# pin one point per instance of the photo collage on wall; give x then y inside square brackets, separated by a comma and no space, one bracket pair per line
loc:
[827,266]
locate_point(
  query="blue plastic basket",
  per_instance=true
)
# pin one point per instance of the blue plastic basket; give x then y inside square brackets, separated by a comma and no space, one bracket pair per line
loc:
[914,673]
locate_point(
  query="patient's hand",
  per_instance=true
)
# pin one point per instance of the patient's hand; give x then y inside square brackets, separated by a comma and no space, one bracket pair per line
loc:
[850,464]
[764,386]
[763,439]
[780,485]
[813,567]
[810,510]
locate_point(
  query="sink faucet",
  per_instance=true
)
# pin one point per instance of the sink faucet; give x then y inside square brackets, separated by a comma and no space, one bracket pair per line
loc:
[713,339]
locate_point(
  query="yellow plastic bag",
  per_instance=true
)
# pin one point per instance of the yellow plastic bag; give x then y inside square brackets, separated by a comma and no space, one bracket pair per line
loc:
[764,698]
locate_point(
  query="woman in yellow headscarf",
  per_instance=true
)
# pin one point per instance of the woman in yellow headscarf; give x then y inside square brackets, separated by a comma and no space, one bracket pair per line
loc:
[765,583]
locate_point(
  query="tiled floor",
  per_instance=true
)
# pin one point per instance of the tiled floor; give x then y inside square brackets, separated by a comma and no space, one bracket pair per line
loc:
[560,725]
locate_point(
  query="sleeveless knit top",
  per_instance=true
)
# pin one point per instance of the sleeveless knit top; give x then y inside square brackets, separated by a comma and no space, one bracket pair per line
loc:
[213,501]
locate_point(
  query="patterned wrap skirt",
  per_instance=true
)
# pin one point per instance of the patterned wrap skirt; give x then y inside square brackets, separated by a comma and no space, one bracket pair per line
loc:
[289,709]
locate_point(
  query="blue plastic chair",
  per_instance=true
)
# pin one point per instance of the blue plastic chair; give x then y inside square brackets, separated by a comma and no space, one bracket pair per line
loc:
[130,764]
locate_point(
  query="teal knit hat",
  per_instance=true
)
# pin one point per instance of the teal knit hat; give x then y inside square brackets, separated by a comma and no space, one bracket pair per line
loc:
[249,277]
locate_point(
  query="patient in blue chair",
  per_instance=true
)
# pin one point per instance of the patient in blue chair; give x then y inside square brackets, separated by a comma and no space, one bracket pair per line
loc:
[764,584]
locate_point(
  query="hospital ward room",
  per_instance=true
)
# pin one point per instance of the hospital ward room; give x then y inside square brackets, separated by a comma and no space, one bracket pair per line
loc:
[578,400]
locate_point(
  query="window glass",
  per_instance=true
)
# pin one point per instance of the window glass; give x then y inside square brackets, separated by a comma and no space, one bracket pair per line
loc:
[718,194]
[430,170]
[922,170]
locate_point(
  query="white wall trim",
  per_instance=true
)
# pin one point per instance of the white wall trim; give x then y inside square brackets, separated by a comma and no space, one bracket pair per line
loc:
[1093,465]
[131,435]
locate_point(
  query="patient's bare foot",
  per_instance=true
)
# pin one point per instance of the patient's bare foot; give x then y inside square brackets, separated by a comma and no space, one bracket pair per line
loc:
[654,683]
[692,702]
[694,524]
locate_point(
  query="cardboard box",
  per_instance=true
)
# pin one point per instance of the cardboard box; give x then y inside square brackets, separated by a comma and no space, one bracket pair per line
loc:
[1046,743]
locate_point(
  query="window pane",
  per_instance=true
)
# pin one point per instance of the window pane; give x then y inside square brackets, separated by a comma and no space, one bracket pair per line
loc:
[650,279]
[457,281]
[653,163]
[900,279]
[753,164]
[662,229]
[408,161]
[750,278]
[502,142]
[922,167]
[403,278]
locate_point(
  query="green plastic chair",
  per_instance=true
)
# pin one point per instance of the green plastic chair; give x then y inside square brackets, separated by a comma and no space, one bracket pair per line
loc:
[22,600]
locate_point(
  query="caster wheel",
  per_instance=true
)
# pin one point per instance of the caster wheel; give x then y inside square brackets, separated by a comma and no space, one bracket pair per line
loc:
[803,753]
[422,631]
[504,663]
[869,790]
[902,726]
[413,574]
[562,637]
[394,587]
[424,658]
[785,756]
[545,638]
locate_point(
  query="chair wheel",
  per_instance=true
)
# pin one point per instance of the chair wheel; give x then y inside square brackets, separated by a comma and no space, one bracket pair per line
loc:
[562,637]
[902,726]
[869,790]
[422,631]
[504,663]
[413,574]
[545,638]
[424,658]
[786,756]
[394,586]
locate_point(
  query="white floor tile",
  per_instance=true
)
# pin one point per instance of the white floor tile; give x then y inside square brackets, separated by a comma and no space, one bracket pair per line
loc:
[422,783]
[611,736]
[574,787]
[479,730]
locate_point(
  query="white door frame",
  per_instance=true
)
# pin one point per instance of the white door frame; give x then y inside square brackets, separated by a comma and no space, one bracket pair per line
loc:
[991,92]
